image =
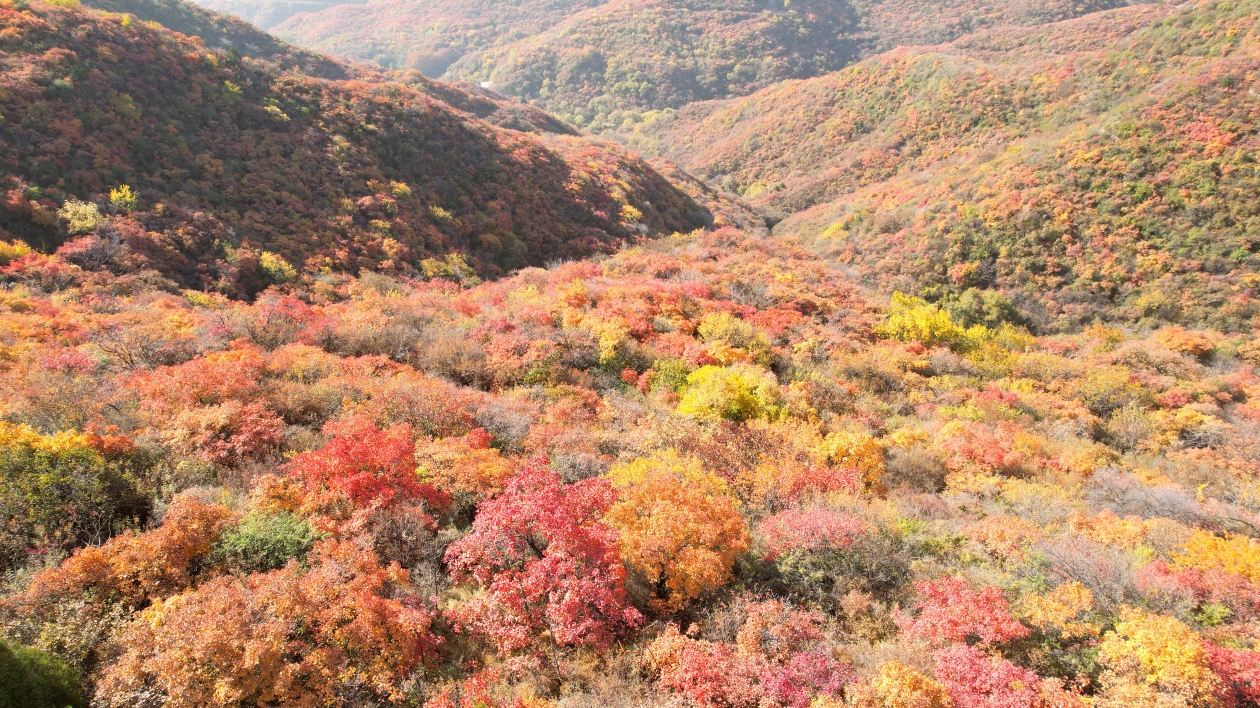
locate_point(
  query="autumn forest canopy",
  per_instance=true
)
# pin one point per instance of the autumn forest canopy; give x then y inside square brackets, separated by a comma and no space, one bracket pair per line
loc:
[717,354]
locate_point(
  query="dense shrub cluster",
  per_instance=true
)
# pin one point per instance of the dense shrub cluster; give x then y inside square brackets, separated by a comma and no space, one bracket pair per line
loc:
[704,470]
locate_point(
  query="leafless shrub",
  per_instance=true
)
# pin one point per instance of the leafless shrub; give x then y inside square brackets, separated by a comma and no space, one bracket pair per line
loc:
[945,362]
[383,338]
[917,467]
[1129,427]
[1123,494]
[618,683]
[868,657]
[507,424]
[405,535]
[447,351]
[574,467]
[1105,571]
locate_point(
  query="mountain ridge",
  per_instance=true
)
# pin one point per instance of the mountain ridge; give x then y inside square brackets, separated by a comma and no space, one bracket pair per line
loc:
[613,61]
[225,152]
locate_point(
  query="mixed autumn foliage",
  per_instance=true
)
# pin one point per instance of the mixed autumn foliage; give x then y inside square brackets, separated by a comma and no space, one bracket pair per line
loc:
[1048,175]
[267,14]
[705,469]
[221,31]
[601,63]
[268,439]
[240,174]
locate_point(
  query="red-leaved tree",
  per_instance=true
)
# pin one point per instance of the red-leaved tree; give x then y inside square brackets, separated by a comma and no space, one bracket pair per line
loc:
[976,680]
[550,568]
[1239,670]
[953,612]
[368,466]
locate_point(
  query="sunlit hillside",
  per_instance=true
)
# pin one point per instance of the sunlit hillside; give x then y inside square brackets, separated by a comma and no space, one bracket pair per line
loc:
[1102,166]
[225,160]
[602,62]
[329,386]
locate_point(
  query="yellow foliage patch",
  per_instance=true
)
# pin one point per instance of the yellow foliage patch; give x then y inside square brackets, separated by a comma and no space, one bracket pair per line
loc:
[1233,554]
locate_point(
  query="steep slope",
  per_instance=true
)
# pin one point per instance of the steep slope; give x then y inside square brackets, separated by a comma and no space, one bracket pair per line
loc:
[231,159]
[902,23]
[1102,166]
[638,56]
[220,30]
[599,63]
[799,143]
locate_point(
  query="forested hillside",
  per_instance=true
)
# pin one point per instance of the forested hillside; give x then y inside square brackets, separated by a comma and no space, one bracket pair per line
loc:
[1103,166]
[269,13]
[225,161]
[220,31]
[326,386]
[704,472]
[598,63]
[429,35]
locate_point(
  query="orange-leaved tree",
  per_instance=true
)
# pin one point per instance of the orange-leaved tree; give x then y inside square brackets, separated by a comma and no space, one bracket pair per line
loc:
[680,528]
[135,569]
[288,637]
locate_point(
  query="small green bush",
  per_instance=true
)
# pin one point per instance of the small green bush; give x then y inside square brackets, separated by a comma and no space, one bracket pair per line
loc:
[32,679]
[983,307]
[263,542]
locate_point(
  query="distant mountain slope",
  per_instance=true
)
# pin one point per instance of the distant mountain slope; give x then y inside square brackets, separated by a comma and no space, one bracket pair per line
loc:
[428,35]
[222,31]
[225,32]
[1104,166]
[599,63]
[639,56]
[269,13]
[902,23]
[799,143]
[231,159]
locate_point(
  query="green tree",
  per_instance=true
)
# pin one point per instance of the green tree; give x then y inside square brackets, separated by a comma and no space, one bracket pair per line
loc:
[56,491]
[983,307]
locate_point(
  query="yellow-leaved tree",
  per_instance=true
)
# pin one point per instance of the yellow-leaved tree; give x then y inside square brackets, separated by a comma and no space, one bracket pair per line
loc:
[911,319]
[1235,555]
[123,198]
[899,686]
[80,217]
[739,392]
[1153,660]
